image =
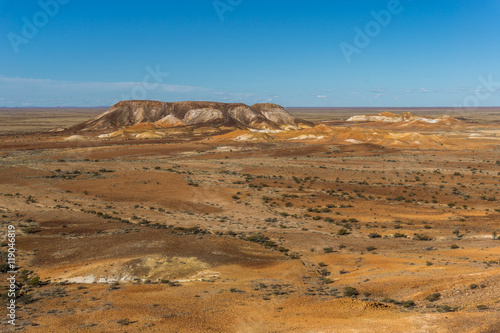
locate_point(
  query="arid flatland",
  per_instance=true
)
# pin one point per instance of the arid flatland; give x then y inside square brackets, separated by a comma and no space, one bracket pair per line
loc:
[337,226]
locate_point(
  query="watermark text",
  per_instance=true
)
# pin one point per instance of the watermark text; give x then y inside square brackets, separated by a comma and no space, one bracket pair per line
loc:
[12,274]
[31,27]
[224,6]
[372,29]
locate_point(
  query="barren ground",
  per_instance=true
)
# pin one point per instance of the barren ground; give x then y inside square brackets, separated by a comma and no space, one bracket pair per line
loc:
[181,235]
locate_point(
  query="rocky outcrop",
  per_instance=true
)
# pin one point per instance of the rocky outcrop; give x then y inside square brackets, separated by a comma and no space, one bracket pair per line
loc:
[130,113]
[406,117]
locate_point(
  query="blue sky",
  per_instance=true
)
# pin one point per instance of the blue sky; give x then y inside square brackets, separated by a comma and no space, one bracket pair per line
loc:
[94,53]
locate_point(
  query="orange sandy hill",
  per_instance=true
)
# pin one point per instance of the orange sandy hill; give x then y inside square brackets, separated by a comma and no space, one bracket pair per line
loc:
[148,115]
[356,135]
[242,136]
[341,135]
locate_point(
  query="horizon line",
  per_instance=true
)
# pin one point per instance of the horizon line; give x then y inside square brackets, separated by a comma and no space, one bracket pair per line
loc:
[290,107]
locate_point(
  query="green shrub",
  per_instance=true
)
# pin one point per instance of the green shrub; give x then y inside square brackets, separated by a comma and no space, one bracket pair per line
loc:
[29,230]
[408,304]
[433,297]
[124,322]
[342,232]
[446,308]
[422,237]
[260,238]
[270,243]
[4,268]
[350,292]
[35,281]
[390,300]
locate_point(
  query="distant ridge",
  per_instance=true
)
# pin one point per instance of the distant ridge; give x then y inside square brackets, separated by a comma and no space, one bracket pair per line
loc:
[406,117]
[162,115]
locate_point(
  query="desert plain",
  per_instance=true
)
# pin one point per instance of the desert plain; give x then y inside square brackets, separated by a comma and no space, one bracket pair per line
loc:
[334,226]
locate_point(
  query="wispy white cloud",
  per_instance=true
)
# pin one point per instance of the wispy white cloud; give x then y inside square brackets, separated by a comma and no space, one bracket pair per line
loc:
[461,89]
[86,86]
[428,91]
[21,91]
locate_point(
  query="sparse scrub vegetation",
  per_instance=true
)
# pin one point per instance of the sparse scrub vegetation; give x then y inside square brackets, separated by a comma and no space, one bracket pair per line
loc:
[350,292]
[327,220]
[433,297]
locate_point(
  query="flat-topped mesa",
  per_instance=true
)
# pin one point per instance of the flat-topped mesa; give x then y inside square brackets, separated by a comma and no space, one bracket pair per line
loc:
[162,114]
[389,117]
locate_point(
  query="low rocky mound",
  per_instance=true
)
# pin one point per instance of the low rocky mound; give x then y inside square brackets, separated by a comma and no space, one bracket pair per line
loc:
[155,268]
[342,136]
[155,114]
[408,118]
[426,122]
[76,138]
